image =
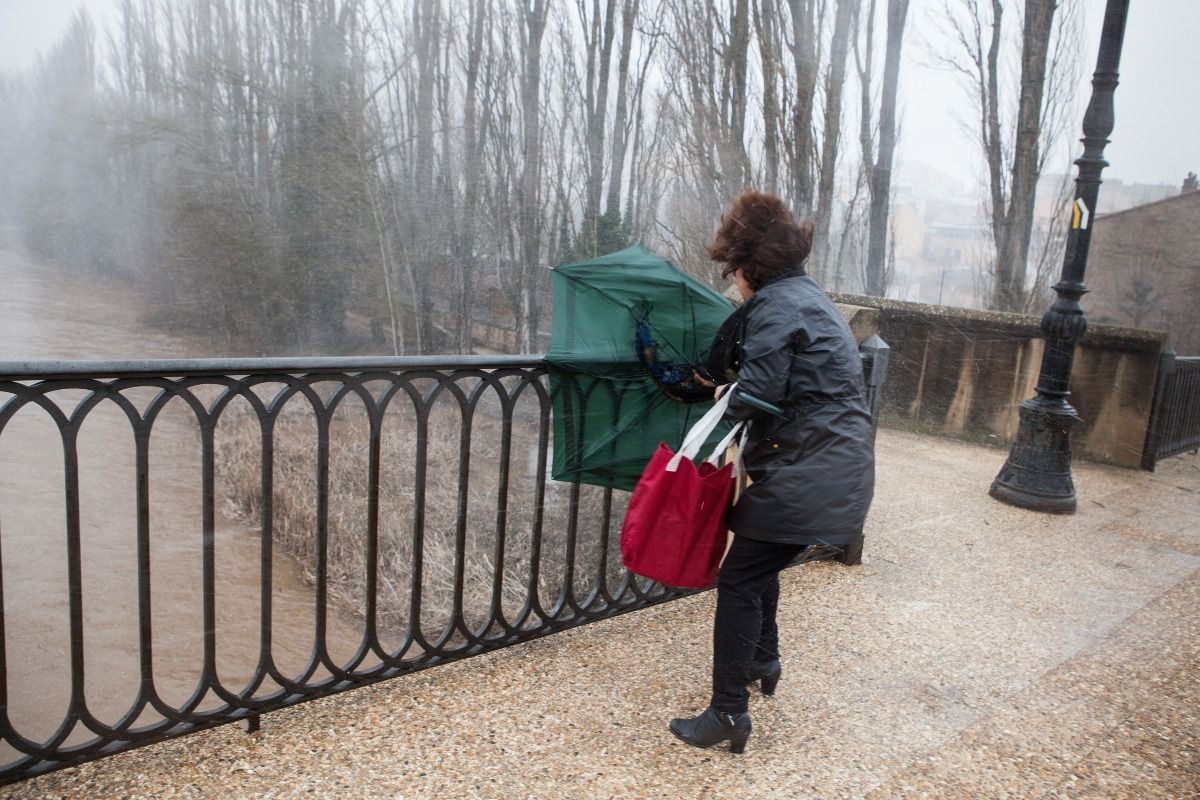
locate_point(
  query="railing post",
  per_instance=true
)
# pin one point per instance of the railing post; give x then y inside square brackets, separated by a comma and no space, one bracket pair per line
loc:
[1154,433]
[876,355]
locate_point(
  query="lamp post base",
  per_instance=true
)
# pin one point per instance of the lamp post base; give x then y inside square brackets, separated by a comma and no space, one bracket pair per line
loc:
[1037,474]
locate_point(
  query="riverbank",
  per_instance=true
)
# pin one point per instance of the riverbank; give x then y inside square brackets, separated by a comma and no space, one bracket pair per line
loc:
[50,312]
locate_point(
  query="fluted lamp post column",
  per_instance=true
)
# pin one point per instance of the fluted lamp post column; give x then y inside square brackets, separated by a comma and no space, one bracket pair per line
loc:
[1037,474]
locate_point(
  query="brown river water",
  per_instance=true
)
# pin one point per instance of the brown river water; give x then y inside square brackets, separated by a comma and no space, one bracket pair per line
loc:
[52,314]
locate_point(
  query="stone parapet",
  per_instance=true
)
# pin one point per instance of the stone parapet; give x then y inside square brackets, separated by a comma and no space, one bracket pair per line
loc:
[963,373]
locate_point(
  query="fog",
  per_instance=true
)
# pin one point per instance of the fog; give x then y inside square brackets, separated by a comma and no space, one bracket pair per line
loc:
[379,196]
[1155,110]
[1152,142]
[220,178]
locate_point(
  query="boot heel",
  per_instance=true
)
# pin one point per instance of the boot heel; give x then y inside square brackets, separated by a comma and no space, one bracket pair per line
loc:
[767,673]
[713,728]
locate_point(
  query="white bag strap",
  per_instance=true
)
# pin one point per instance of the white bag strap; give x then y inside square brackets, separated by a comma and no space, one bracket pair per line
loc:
[739,469]
[700,432]
[723,445]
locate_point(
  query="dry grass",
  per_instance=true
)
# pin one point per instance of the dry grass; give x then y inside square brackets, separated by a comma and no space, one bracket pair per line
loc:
[295,511]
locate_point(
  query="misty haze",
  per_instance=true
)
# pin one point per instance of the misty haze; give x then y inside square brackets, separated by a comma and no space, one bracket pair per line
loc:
[258,178]
[393,177]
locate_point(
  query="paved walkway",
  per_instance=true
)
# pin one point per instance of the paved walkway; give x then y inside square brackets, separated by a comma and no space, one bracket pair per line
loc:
[981,651]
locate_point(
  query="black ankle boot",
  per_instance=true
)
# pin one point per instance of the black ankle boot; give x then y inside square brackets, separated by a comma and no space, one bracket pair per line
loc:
[713,727]
[768,672]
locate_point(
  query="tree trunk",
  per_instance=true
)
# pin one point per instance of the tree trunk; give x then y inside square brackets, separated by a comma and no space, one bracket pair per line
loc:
[804,34]
[472,146]
[736,162]
[426,24]
[992,144]
[832,133]
[529,205]
[881,174]
[1009,290]
[765,24]
[620,138]
[599,63]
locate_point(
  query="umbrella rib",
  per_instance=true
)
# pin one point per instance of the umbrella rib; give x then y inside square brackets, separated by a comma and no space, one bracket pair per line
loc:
[631,308]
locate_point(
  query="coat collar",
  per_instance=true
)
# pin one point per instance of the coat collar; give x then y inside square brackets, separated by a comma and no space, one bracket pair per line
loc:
[797,272]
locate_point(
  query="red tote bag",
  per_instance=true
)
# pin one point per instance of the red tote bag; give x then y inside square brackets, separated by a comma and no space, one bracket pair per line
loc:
[674,529]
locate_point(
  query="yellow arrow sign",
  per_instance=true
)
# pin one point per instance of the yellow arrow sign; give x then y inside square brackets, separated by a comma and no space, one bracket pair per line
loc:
[1080,215]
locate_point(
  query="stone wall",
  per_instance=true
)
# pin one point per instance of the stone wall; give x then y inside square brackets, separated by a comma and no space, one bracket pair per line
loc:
[963,373]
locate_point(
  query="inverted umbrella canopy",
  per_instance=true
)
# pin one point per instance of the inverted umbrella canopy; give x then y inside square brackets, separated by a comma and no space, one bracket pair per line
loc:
[628,330]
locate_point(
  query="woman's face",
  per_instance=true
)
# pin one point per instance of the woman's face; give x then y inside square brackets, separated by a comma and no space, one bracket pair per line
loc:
[743,287]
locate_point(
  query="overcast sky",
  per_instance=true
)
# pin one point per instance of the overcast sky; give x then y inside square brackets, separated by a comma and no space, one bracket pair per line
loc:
[1155,139]
[1157,115]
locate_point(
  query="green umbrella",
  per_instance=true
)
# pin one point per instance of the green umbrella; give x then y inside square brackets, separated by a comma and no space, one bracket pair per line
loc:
[628,330]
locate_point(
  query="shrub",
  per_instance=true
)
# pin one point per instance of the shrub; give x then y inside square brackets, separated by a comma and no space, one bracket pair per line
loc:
[295,512]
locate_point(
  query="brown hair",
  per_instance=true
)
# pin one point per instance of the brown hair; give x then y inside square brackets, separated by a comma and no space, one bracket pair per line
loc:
[759,236]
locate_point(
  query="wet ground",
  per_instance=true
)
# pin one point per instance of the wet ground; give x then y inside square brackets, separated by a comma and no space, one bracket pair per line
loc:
[980,651]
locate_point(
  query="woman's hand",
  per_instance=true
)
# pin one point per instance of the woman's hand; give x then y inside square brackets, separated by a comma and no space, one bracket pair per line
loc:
[703,381]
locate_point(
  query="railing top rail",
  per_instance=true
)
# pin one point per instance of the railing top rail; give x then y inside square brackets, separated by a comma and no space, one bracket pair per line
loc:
[47,370]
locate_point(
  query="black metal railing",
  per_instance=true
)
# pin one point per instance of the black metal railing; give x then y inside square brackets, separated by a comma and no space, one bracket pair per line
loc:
[565,573]
[1174,425]
[144,506]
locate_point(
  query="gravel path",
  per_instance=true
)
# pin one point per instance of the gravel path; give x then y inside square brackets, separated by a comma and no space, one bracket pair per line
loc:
[981,651]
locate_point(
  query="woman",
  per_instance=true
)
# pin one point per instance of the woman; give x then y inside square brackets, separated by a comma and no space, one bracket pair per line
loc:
[809,454]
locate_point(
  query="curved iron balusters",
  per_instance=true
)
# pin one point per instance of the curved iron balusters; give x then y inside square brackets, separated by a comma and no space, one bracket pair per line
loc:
[321,386]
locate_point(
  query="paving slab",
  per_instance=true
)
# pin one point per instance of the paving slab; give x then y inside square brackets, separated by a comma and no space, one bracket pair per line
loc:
[980,651]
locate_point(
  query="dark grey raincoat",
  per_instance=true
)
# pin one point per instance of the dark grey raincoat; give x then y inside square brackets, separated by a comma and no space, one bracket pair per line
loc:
[812,466]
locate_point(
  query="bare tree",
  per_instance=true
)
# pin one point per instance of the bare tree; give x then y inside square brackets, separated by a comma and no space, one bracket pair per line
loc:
[1013,245]
[598,28]
[60,201]
[345,174]
[834,86]
[805,49]
[1047,245]
[426,41]
[1140,301]
[881,170]
[529,190]
[1014,163]
[630,10]
[478,32]
[708,89]
[770,46]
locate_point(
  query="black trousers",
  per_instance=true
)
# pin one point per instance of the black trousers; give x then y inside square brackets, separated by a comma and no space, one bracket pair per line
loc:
[744,629]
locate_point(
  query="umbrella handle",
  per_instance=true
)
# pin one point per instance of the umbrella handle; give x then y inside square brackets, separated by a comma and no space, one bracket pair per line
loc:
[700,432]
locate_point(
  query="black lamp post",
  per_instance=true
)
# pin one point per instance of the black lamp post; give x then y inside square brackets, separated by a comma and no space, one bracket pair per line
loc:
[1037,474]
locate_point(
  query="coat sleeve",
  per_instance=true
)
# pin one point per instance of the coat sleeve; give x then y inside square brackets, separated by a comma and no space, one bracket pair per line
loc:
[766,361]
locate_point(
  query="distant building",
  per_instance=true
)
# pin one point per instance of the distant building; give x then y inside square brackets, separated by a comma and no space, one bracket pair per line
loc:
[1144,267]
[1115,194]
[940,247]
[943,248]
